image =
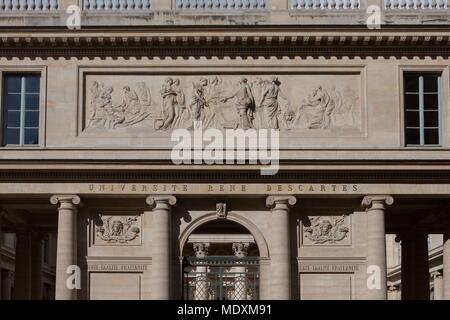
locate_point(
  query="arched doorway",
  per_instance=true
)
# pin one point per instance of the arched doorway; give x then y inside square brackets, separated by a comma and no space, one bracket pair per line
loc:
[220,262]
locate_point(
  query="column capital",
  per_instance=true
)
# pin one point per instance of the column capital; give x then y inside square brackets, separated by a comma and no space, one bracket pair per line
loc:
[286,200]
[436,275]
[154,200]
[240,249]
[392,288]
[201,249]
[376,201]
[65,199]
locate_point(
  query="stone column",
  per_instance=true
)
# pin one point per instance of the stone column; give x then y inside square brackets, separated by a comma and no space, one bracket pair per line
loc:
[421,265]
[446,259]
[161,248]
[264,279]
[280,265]
[22,272]
[407,269]
[201,279]
[376,243]
[36,267]
[240,250]
[438,286]
[415,268]
[66,243]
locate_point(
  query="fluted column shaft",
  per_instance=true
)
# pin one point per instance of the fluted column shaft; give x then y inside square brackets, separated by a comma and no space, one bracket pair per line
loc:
[161,248]
[66,243]
[376,243]
[280,266]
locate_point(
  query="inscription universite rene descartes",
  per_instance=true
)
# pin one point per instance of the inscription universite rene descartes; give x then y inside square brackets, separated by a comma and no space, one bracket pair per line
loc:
[223,188]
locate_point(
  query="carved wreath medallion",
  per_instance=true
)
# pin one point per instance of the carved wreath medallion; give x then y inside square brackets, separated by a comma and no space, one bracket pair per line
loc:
[118,229]
[327,230]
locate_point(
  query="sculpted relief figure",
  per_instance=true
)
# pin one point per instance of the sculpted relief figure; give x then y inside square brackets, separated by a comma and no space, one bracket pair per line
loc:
[182,114]
[245,104]
[169,101]
[104,114]
[129,112]
[145,96]
[315,112]
[269,104]
[226,102]
[199,105]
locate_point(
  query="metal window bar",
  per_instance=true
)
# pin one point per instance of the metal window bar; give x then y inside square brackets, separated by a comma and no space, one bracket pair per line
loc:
[221,281]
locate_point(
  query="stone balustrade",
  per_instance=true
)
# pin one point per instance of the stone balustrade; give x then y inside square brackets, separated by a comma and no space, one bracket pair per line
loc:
[12,7]
[24,6]
[220,5]
[325,4]
[34,13]
[117,5]
[417,5]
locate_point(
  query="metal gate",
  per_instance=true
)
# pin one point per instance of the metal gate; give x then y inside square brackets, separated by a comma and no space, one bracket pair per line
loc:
[221,278]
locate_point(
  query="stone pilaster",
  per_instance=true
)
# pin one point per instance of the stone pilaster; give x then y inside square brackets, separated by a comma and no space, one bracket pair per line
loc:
[66,243]
[376,243]
[280,266]
[446,259]
[438,285]
[201,281]
[22,272]
[240,250]
[161,249]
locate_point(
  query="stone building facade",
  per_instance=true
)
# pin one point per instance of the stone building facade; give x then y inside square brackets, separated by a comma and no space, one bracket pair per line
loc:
[92,92]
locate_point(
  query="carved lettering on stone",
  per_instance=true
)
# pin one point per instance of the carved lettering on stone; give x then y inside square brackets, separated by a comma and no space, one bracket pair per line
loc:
[310,102]
[113,229]
[327,230]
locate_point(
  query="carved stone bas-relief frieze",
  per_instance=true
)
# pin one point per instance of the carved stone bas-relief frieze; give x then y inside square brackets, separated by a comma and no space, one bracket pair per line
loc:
[308,102]
[117,230]
[323,230]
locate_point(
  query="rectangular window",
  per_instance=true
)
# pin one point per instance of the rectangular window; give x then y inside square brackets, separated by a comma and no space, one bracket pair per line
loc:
[422,102]
[21,96]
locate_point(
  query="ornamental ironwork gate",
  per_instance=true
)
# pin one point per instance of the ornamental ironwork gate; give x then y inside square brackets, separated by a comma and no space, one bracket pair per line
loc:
[221,278]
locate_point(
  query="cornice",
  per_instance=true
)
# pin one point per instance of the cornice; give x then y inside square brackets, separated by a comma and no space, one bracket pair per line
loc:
[225,43]
[178,176]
